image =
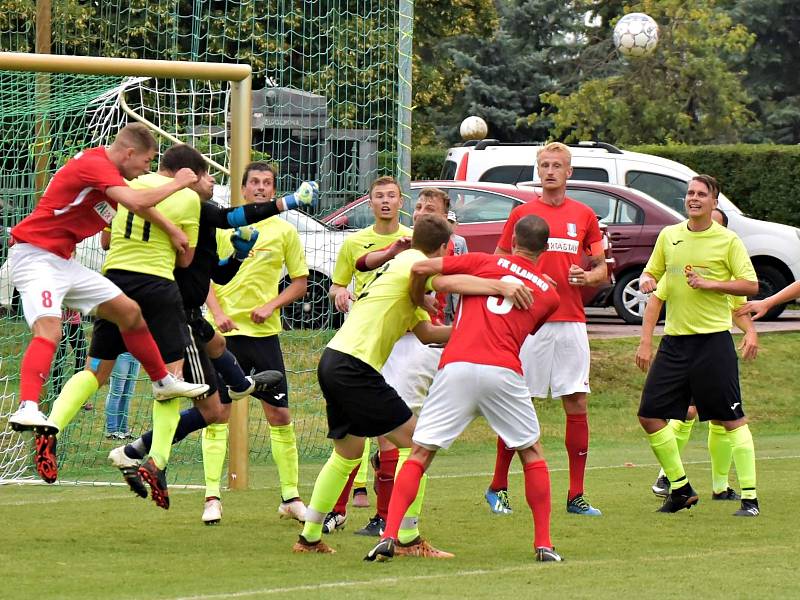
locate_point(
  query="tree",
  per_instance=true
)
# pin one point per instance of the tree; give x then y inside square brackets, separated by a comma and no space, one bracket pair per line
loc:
[684,92]
[776,25]
[532,52]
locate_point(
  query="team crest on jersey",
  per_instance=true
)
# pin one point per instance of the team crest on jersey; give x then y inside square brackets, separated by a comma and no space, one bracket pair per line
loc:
[572,230]
[105,210]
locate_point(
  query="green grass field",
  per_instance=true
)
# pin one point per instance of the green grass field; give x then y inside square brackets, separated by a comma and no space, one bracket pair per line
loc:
[102,542]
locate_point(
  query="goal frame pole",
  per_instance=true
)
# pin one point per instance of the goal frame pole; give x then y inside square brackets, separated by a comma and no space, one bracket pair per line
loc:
[240,77]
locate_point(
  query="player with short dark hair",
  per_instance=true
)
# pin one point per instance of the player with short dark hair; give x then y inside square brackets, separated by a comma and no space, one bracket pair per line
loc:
[80,200]
[480,374]
[359,402]
[703,265]
[247,311]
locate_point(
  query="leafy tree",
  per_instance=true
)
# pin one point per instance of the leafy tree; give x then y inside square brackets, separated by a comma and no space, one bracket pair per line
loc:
[776,25]
[684,92]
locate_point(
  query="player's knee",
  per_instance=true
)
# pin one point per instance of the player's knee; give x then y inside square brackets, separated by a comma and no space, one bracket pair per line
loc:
[216,345]
[691,414]
[48,328]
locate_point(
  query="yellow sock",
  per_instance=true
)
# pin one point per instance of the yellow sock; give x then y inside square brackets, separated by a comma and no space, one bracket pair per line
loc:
[666,450]
[74,394]
[284,453]
[215,444]
[744,457]
[361,477]
[166,415]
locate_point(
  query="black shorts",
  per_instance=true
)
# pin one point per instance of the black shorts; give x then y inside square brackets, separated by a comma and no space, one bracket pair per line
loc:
[202,330]
[703,368]
[162,308]
[256,354]
[357,398]
[197,367]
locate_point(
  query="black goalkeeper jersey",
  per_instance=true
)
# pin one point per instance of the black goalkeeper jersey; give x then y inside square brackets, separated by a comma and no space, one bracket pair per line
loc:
[195,280]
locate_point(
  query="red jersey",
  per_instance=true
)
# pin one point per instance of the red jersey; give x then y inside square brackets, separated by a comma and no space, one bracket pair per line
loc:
[488,330]
[573,230]
[74,205]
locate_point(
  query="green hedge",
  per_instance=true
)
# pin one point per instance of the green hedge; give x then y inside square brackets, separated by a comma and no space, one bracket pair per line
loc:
[762,180]
[426,162]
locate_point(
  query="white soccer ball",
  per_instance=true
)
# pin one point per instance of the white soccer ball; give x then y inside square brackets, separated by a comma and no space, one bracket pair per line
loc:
[636,34]
[473,128]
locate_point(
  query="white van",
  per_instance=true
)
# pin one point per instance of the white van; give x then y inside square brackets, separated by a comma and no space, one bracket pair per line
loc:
[774,248]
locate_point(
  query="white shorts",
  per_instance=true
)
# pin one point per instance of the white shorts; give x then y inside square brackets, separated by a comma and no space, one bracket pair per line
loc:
[410,369]
[461,391]
[556,360]
[45,281]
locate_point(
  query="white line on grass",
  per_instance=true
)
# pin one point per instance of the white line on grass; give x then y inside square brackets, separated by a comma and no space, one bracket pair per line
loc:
[404,579]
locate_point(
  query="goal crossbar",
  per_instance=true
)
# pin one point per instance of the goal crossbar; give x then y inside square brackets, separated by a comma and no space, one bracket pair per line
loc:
[239,75]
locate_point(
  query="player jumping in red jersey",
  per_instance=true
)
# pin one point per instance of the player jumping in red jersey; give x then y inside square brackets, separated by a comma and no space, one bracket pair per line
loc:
[80,200]
[480,373]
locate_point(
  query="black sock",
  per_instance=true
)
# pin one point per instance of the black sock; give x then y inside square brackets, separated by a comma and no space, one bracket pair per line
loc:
[231,372]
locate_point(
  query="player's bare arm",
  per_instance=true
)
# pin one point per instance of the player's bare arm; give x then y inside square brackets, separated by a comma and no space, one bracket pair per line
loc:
[341,297]
[749,345]
[223,322]
[597,273]
[734,287]
[135,200]
[644,353]
[377,258]
[427,333]
[647,283]
[758,308]
[294,291]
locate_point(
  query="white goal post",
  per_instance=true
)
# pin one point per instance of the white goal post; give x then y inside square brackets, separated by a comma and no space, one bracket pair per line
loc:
[240,78]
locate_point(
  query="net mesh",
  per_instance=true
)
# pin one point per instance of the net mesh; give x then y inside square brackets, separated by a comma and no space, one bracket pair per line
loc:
[324,108]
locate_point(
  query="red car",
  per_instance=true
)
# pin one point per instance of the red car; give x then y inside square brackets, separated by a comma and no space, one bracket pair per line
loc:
[631,219]
[482,210]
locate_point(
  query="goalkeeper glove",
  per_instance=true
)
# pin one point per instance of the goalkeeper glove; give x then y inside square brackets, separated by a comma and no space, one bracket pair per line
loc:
[243,240]
[306,195]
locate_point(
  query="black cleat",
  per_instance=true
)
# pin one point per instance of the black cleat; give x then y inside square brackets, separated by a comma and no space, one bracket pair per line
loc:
[728,494]
[749,508]
[661,486]
[46,461]
[333,521]
[683,497]
[157,480]
[267,381]
[383,551]
[374,528]
[129,467]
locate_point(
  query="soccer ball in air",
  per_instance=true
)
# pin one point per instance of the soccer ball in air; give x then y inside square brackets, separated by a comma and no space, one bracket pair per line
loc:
[636,34]
[473,128]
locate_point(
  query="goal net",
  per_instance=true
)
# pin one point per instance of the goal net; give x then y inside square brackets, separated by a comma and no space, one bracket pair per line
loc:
[323,108]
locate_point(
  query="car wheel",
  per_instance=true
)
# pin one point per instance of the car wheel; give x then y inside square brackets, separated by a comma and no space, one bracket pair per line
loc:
[629,302]
[770,281]
[312,311]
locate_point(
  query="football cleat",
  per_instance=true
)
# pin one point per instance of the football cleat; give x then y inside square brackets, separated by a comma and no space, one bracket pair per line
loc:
[498,501]
[661,486]
[374,528]
[683,497]
[749,508]
[548,555]
[420,548]
[728,494]
[212,511]
[333,521]
[292,509]
[157,480]
[383,551]
[46,461]
[171,387]
[28,416]
[129,467]
[579,506]
[360,498]
[302,546]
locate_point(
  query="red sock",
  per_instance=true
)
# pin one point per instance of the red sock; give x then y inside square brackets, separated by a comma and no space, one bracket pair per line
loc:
[537,493]
[35,368]
[384,479]
[502,463]
[576,439]
[141,344]
[341,503]
[405,491]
